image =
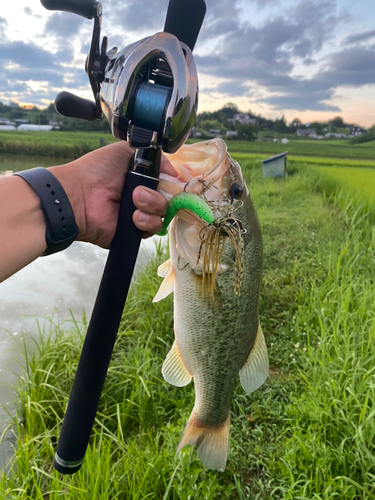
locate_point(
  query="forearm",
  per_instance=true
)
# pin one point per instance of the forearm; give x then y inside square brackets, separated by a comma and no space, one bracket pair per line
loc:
[22,226]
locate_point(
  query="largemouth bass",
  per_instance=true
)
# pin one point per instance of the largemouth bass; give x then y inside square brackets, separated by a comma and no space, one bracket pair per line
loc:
[214,271]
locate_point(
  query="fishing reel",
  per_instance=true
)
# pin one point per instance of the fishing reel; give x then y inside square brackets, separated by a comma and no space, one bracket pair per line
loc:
[148,91]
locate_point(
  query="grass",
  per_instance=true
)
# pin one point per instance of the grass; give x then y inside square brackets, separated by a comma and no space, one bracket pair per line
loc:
[75,144]
[308,433]
[351,185]
[51,144]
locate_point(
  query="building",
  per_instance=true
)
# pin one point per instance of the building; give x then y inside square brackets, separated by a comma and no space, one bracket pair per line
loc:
[306,132]
[231,133]
[337,136]
[355,130]
[7,127]
[215,133]
[37,128]
[243,119]
[275,166]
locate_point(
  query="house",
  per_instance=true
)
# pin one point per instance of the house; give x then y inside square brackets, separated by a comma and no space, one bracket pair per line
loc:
[231,133]
[355,130]
[337,136]
[243,119]
[20,121]
[275,166]
[215,133]
[301,132]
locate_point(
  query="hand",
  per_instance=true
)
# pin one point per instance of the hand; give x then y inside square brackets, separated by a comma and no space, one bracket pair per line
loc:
[94,185]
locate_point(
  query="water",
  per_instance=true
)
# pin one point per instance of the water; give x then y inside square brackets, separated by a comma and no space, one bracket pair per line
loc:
[59,285]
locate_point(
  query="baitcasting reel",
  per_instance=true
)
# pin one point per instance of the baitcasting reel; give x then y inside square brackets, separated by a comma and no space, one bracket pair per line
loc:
[149,90]
[149,93]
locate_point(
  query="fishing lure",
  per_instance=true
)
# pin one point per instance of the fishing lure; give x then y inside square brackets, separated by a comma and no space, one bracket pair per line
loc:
[187,201]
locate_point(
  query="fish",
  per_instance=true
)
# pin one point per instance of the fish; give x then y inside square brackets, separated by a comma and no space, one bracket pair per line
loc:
[215,272]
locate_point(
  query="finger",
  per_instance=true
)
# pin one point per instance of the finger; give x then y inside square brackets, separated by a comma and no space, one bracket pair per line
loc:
[147,222]
[150,201]
[167,168]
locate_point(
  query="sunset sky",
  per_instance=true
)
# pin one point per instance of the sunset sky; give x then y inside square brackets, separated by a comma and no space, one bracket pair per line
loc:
[311,59]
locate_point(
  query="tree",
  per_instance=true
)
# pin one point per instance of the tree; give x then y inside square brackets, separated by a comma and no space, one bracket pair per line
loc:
[280,125]
[296,123]
[245,133]
[337,122]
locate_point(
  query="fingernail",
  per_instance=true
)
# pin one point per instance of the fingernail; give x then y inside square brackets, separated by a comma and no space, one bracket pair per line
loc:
[143,217]
[145,196]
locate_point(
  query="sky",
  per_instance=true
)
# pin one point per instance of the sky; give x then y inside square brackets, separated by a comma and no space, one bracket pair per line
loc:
[306,59]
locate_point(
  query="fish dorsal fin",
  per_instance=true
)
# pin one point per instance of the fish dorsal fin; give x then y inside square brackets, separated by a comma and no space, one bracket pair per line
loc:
[166,271]
[173,370]
[255,370]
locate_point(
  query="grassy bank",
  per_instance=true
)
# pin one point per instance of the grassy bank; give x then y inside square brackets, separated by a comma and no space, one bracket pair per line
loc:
[52,144]
[307,147]
[74,144]
[308,433]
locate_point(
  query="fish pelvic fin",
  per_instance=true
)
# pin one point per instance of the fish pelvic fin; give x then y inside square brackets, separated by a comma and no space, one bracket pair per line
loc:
[174,370]
[211,443]
[255,370]
[167,272]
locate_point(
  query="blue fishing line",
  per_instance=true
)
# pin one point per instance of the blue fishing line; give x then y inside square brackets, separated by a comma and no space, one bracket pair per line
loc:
[150,104]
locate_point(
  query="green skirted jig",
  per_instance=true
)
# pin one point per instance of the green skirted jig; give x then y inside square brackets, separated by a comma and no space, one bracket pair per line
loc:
[187,201]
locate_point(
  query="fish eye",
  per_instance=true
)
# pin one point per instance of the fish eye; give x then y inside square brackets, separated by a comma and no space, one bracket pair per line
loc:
[235,192]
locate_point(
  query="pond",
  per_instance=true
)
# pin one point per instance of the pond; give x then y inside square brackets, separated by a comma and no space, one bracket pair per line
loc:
[59,286]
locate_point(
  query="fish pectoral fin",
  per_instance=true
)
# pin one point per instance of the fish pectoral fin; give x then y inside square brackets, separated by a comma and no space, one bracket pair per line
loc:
[255,370]
[164,268]
[174,370]
[167,285]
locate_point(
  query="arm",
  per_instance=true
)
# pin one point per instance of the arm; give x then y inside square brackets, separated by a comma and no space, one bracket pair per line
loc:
[93,184]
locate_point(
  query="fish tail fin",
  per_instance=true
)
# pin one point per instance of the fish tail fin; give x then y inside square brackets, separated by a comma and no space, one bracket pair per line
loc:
[211,442]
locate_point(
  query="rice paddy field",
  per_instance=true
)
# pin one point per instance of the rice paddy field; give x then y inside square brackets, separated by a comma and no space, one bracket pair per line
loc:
[308,433]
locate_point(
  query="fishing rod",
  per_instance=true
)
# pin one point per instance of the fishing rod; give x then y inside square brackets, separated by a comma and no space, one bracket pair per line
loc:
[148,92]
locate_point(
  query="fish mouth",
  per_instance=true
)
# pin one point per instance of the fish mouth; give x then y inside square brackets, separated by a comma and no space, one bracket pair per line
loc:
[207,170]
[200,168]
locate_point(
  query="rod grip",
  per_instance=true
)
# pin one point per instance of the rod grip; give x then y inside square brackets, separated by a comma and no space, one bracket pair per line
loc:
[101,334]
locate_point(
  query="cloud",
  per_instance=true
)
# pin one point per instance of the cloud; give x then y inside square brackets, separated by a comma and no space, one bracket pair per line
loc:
[291,51]
[63,25]
[360,37]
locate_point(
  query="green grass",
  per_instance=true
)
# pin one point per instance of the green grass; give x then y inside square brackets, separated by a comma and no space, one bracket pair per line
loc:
[308,433]
[51,144]
[356,184]
[301,147]
[313,161]
[75,144]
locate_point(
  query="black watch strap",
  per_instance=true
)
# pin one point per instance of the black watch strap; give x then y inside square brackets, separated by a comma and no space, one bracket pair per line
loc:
[62,229]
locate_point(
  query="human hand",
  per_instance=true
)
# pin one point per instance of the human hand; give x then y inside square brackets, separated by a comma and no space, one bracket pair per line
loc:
[94,185]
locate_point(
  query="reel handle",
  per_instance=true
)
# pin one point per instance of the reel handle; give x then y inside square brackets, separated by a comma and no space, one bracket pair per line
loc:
[68,104]
[84,8]
[184,20]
